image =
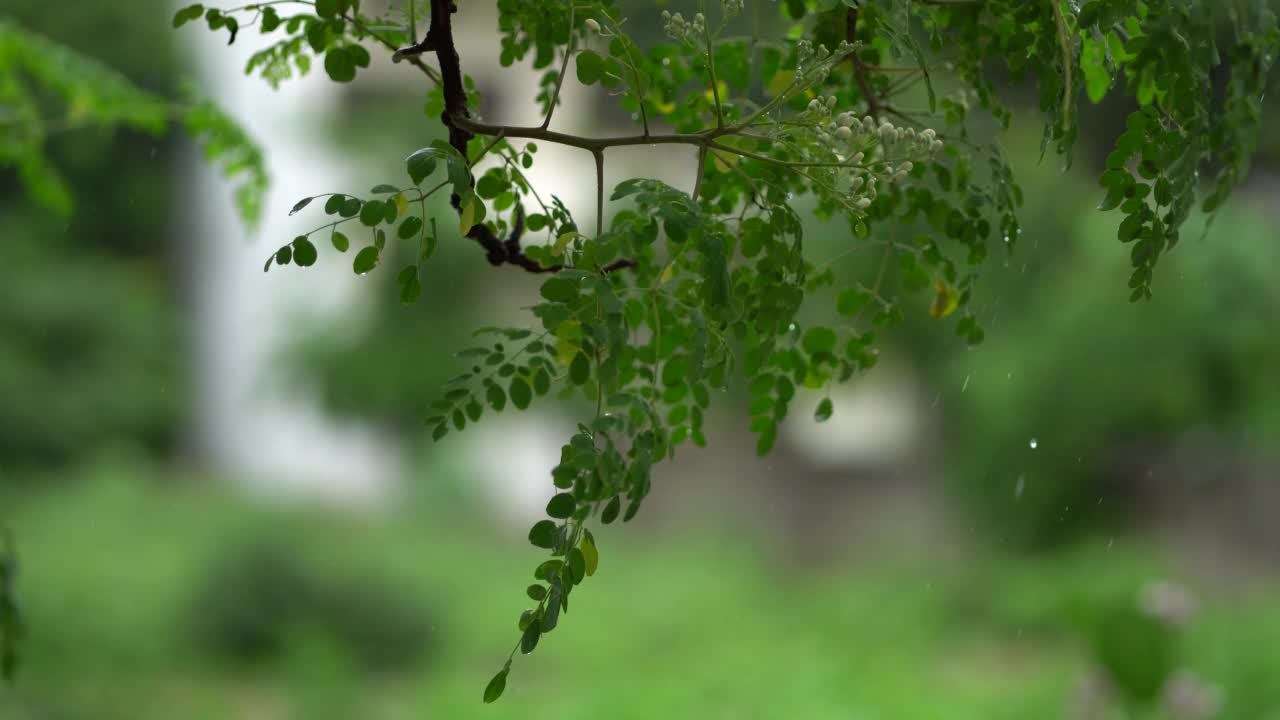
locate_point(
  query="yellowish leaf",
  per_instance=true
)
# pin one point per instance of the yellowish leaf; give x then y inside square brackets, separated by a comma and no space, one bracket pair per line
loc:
[945,302]
[562,242]
[468,214]
[591,555]
[779,83]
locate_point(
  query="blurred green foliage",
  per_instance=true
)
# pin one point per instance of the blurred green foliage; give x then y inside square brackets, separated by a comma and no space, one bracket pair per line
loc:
[115,565]
[261,592]
[91,354]
[1070,389]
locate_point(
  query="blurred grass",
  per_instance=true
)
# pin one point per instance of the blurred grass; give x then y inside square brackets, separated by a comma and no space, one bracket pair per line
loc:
[681,624]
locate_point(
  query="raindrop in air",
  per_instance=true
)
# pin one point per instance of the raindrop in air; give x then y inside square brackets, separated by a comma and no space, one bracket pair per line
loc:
[965,386]
[1022,485]
[1033,443]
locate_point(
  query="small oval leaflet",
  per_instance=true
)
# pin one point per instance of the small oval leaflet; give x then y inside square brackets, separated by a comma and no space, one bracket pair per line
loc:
[494,689]
[611,510]
[521,395]
[529,640]
[577,565]
[543,534]
[366,260]
[561,506]
[300,205]
[304,253]
[340,65]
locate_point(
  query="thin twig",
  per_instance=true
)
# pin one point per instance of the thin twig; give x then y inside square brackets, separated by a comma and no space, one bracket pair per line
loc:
[564,67]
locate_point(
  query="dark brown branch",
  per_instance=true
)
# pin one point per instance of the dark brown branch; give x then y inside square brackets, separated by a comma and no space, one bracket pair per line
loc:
[457,118]
[860,69]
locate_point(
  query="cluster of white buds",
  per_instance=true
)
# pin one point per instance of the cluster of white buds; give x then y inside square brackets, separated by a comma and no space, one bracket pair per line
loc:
[677,28]
[732,7]
[872,151]
[814,63]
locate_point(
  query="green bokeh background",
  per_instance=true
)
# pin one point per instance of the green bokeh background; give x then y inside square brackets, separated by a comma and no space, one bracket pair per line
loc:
[152,589]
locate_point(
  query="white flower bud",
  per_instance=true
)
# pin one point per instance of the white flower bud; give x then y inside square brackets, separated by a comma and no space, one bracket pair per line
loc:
[928,134]
[857,183]
[844,119]
[592,25]
[844,133]
[863,203]
[857,158]
[935,146]
[868,124]
[907,167]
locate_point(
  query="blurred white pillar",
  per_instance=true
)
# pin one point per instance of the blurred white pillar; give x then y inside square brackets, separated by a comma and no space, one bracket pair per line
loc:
[251,422]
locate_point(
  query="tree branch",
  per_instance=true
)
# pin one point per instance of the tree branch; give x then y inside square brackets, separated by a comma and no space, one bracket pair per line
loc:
[859,69]
[457,118]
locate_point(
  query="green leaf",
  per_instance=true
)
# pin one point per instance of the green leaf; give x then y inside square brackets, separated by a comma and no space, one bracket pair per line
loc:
[551,616]
[676,370]
[187,14]
[819,340]
[590,555]
[851,301]
[360,55]
[579,369]
[548,570]
[536,592]
[327,9]
[351,207]
[304,253]
[590,67]
[494,689]
[373,213]
[339,241]
[410,291]
[366,260]
[340,65]
[562,506]
[334,204]
[823,413]
[560,289]
[543,534]
[467,214]
[541,381]
[384,189]
[577,565]
[529,640]
[520,392]
[300,205]
[496,397]
[411,226]
[611,510]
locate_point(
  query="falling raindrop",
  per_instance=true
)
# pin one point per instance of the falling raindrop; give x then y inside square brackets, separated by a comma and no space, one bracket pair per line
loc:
[1022,485]
[1034,443]
[965,386]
